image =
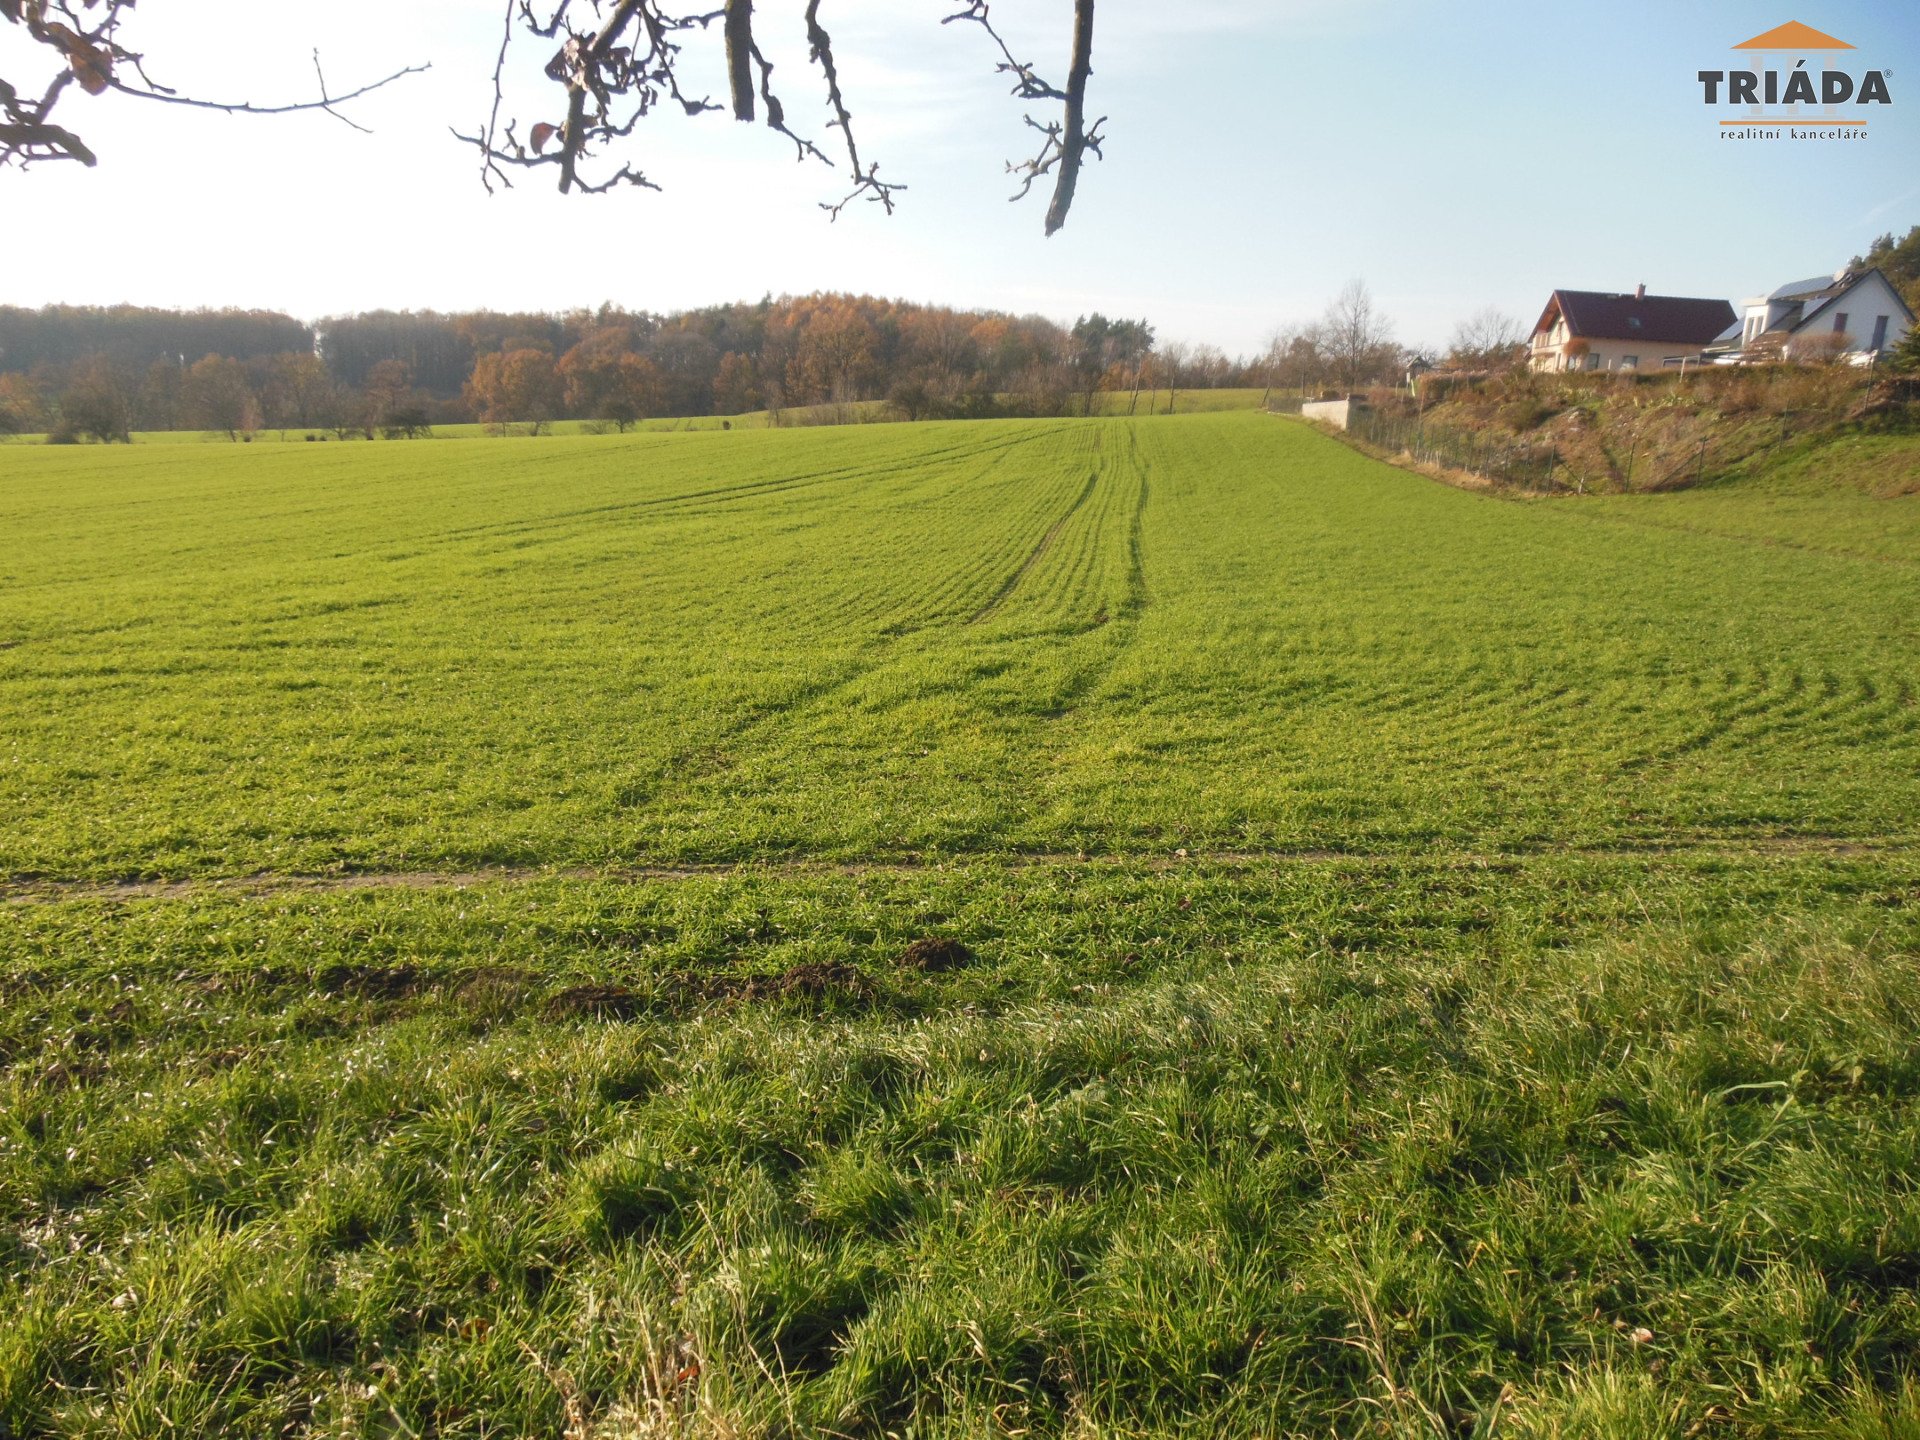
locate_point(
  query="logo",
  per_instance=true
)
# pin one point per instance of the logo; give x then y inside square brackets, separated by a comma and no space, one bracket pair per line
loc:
[1795,84]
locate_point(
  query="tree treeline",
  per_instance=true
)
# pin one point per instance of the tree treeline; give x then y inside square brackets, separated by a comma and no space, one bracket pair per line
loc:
[133,336]
[103,373]
[1899,260]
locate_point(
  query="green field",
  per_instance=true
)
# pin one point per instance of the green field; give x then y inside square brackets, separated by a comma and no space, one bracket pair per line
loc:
[859,412]
[1434,964]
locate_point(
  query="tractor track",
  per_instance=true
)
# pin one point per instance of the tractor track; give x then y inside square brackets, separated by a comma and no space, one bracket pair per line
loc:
[30,890]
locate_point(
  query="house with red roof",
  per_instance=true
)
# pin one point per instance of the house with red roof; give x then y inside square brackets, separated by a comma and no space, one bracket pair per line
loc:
[1595,330]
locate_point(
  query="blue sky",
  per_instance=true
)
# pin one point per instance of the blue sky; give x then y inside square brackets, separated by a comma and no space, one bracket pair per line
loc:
[1259,156]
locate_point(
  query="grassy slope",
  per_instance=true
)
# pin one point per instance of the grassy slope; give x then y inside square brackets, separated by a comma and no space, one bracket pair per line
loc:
[1851,495]
[1484,1121]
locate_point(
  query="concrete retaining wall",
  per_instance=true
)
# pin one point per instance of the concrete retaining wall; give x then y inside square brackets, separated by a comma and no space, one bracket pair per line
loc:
[1332,412]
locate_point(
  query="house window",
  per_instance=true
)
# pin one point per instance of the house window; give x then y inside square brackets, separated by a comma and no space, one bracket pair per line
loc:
[1629,362]
[1593,361]
[1840,323]
[1879,333]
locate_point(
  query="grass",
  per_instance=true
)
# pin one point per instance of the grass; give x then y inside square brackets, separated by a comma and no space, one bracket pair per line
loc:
[857,412]
[1831,496]
[1434,965]
[1212,633]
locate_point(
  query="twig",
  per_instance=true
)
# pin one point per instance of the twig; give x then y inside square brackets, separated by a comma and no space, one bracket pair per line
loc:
[246,107]
[1064,143]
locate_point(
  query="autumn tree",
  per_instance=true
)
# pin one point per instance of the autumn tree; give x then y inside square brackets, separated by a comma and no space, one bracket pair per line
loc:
[343,410]
[158,405]
[687,358]
[515,386]
[736,388]
[722,359]
[21,408]
[605,381]
[835,360]
[295,390]
[389,390]
[942,349]
[98,401]
[215,395]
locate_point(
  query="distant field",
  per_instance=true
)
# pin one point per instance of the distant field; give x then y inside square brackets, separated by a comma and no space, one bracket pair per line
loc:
[1433,964]
[1111,403]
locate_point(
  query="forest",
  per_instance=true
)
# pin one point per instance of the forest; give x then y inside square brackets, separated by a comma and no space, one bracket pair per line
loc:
[103,373]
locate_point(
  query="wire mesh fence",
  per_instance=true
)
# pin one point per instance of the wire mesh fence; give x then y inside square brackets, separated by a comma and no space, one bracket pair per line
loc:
[1523,466]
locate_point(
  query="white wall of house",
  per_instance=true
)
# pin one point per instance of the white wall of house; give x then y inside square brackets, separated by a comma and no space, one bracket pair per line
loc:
[1615,355]
[1543,352]
[1758,316]
[1871,310]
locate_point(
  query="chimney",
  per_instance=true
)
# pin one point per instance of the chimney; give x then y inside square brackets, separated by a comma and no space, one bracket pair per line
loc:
[1639,292]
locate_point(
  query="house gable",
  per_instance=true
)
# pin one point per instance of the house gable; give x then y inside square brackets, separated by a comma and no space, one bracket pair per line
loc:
[1869,289]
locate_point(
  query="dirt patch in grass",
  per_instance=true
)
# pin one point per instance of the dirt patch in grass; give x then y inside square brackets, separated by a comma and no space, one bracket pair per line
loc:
[372,982]
[815,980]
[936,955]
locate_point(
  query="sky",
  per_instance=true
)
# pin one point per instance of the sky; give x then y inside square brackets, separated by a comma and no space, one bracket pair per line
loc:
[1260,154]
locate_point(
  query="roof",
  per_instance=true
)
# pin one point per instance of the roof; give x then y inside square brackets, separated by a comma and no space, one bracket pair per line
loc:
[1802,289]
[1662,319]
[1841,289]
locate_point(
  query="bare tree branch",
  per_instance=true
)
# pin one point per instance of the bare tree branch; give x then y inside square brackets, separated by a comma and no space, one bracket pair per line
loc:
[616,62]
[86,40]
[866,181]
[740,56]
[326,102]
[1027,84]
[489,171]
[1064,143]
[1077,141]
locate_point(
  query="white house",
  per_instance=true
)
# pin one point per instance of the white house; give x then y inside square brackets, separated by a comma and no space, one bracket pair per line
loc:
[1855,313]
